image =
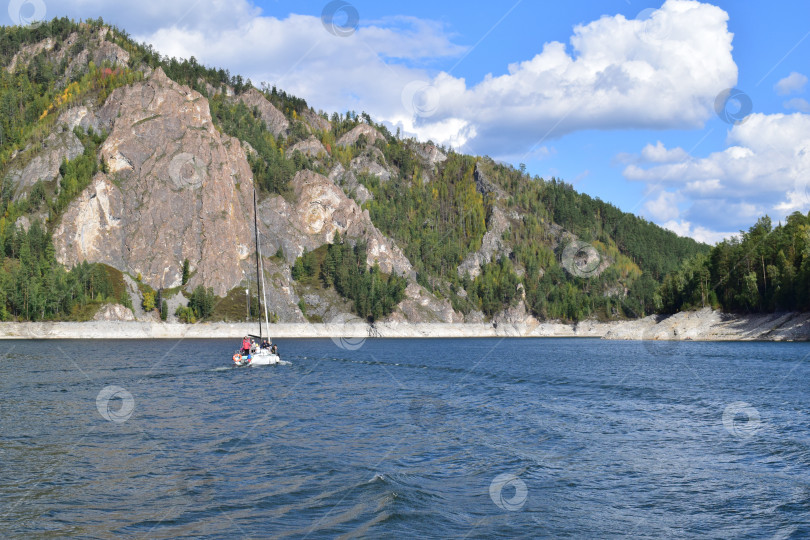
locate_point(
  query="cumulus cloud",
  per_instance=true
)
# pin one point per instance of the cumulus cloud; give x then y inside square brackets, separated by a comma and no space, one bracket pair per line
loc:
[798,104]
[662,72]
[701,234]
[659,71]
[659,154]
[765,168]
[792,83]
[664,207]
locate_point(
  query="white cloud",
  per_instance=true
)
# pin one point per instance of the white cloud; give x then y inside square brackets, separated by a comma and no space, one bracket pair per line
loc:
[703,187]
[664,207]
[144,16]
[701,234]
[765,168]
[617,75]
[798,104]
[792,83]
[661,72]
[659,154]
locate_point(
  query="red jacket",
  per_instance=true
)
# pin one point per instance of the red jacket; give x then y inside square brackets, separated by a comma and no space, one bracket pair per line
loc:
[246,344]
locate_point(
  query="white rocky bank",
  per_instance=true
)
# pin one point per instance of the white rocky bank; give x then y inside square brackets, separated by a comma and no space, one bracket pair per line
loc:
[703,325]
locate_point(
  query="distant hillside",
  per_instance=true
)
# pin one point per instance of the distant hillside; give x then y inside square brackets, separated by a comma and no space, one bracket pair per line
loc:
[140,163]
[764,270]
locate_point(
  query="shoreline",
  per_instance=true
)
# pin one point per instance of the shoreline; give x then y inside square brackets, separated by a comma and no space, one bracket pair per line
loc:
[702,325]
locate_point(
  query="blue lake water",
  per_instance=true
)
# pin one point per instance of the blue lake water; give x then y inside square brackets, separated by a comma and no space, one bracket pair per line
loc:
[405,438]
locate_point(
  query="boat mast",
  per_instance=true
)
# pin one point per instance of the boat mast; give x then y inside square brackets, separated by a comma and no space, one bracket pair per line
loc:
[258,268]
[264,294]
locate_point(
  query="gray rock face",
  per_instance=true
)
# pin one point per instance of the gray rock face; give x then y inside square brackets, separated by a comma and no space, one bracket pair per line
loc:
[315,121]
[311,147]
[58,146]
[485,186]
[281,297]
[28,52]
[91,228]
[97,51]
[370,163]
[429,153]
[351,137]
[85,118]
[274,119]
[320,209]
[350,185]
[492,245]
[176,190]
[420,305]
[517,314]
[114,312]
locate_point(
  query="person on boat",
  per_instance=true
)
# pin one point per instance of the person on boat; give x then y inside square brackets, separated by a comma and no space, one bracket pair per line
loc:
[245,345]
[265,344]
[274,349]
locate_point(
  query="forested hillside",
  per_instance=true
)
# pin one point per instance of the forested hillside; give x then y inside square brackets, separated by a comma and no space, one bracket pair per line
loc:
[484,236]
[765,269]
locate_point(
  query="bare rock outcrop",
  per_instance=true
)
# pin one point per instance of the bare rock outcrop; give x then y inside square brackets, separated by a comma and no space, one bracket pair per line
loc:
[429,153]
[176,189]
[421,306]
[320,209]
[274,119]
[311,147]
[282,300]
[492,245]
[58,146]
[315,121]
[485,186]
[85,118]
[28,52]
[114,312]
[347,180]
[351,137]
[98,50]
[708,324]
[371,162]
[515,315]
[91,228]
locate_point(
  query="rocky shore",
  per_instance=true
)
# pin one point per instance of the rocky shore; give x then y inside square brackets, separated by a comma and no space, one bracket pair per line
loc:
[703,325]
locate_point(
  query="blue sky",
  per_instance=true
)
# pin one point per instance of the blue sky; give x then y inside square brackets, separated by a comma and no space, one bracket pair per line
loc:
[616,97]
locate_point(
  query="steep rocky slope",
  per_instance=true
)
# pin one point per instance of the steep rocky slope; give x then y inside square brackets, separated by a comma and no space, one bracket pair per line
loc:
[176,189]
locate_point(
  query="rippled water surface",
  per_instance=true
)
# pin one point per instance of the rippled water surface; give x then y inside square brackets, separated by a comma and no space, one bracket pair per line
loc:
[432,438]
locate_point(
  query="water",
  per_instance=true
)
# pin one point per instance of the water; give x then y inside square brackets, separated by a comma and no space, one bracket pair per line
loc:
[432,438]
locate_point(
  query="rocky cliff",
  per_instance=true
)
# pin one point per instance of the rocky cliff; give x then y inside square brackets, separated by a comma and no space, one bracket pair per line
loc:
[176,189]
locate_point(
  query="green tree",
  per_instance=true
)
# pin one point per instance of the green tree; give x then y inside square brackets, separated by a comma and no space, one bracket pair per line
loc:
[148,301]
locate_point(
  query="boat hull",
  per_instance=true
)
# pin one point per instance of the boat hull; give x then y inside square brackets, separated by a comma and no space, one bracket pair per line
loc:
[260,358]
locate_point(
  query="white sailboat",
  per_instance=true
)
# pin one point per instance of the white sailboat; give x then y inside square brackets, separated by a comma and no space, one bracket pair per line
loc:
[258,355]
